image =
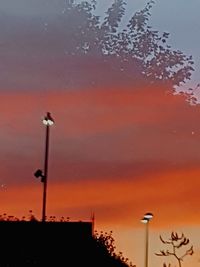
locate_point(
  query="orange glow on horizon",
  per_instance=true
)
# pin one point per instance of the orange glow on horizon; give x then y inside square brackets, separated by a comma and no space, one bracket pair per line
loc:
[171,204]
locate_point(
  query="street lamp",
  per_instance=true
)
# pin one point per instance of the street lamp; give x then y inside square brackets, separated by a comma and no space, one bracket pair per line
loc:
[47,121]
[147,217]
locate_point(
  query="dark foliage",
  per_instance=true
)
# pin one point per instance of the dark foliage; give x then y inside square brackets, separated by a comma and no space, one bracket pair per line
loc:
[32,218]
[133,54]
[76,48]
[106,242]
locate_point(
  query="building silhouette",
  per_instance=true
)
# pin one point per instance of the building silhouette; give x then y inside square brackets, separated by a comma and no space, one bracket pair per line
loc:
[34,243]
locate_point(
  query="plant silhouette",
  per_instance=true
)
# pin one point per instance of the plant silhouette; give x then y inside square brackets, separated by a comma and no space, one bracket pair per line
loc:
[78,49]
[176,242]
[106,242]
[99,50]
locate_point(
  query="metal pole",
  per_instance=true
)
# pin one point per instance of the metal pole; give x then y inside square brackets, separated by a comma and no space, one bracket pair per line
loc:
[45,174]
[147,244]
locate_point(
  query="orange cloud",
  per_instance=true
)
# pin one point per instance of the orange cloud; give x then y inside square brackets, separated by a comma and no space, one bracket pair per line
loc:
[172,196]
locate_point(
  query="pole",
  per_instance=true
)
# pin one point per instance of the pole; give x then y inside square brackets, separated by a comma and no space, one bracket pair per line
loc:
[45,174]
[147,244]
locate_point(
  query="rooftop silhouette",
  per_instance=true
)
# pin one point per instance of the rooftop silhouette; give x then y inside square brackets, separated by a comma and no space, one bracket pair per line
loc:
[52,243]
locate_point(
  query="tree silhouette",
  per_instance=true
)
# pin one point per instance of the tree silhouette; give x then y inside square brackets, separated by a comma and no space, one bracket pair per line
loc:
[132,54]
[106,243]
[176,242]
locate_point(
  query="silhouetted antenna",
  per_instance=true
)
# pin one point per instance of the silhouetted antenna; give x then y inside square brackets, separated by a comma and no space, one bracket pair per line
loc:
[93,220]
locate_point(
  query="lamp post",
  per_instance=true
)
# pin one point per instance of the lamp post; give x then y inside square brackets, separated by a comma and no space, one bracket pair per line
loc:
[147,217]
[47,121]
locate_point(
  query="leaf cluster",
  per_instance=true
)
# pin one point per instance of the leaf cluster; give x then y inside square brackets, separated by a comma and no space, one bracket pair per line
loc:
[106,242]
[135,51]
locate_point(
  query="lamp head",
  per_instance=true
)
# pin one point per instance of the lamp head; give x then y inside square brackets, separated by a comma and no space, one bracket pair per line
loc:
[147,217]
[48,120]
[143,220]
[40,174]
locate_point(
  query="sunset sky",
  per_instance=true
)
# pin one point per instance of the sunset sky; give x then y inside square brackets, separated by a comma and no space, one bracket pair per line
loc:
[116,149]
